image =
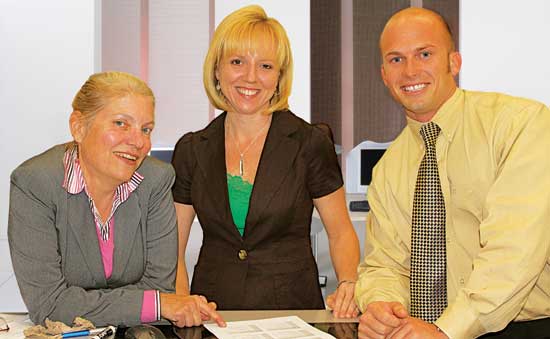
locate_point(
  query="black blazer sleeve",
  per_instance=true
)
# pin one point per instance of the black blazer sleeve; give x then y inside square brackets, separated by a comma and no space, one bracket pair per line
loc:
[184,163]
[324,175]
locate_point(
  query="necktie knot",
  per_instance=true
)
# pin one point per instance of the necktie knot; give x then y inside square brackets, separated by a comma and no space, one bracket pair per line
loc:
[429,133]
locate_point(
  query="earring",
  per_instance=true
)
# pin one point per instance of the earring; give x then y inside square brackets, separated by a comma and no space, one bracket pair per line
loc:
[218,87]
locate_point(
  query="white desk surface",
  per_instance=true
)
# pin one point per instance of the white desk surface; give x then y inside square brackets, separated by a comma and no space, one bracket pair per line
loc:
[18,322]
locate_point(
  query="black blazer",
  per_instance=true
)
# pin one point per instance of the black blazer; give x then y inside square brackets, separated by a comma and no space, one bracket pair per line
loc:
[271,266]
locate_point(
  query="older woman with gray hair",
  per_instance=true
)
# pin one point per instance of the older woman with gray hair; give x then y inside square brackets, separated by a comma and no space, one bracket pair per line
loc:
[92,227]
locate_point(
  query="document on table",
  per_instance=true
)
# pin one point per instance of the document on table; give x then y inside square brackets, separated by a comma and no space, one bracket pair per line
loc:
[272,328]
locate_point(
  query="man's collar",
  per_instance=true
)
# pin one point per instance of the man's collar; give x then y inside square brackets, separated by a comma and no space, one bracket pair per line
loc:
[446,117]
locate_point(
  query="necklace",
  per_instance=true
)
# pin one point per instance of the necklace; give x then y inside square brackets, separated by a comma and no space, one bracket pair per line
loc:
[241,154]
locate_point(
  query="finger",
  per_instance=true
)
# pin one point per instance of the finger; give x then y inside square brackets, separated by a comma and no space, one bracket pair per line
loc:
[341,301]
[348,305]
[352,309]
[196,314]
[192,314]
[367,332]
[338,299]
[402,332]
[400,311]
[330,301]
[374,326]
[206,315]
[213,314]
[385,316]
[185,320]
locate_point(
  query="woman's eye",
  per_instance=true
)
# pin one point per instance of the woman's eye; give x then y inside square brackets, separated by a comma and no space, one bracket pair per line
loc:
[267,66]
[147,130]
[236,62]
[120,123]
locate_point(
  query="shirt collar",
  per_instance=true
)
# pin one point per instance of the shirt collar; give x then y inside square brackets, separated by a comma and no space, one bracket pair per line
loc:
[74,183]
[446,117]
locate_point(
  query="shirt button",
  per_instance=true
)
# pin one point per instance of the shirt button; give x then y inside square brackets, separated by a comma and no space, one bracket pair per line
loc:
[461,281]
[242,254]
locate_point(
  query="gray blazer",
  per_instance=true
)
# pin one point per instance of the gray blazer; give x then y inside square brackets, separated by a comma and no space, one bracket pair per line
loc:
[55,249]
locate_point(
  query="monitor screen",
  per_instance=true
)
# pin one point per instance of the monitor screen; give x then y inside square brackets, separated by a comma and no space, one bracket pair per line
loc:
[369,158]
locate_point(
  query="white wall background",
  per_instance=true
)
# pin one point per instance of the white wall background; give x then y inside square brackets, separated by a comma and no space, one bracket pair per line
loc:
[46,54]
[505,47]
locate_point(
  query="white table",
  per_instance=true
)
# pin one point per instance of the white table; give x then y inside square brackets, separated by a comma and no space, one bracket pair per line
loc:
[17,322]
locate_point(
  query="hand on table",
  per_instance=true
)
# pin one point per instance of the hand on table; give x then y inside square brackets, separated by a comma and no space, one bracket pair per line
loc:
[188,310]
[381,319]
[414,328]
[342,302]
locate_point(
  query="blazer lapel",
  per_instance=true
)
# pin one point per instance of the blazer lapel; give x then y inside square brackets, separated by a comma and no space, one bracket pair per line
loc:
[276,161]
[210,155]
[127,221]
[81,221]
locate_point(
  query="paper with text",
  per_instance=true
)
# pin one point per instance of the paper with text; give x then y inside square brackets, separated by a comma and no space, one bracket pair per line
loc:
[272,328]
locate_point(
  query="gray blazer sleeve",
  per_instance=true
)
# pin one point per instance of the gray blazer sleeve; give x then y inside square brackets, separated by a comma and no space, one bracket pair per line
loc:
[41,257]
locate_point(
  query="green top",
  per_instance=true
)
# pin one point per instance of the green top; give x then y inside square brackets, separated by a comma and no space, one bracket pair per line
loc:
[239,199]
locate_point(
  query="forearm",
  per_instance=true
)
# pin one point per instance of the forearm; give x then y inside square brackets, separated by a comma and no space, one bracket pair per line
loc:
[383,273]
[120,306]
[185,215]
[182,279]
[381,284]
[344,253]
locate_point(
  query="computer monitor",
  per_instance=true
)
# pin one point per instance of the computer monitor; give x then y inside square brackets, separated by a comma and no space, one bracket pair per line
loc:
[359,164]
[162,153]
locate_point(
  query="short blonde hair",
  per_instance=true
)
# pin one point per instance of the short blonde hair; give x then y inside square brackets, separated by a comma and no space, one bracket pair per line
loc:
[102,88]
[247,29]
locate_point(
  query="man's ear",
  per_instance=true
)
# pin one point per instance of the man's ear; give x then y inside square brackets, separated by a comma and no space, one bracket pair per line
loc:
[383,74]
[455,63]
[77,125]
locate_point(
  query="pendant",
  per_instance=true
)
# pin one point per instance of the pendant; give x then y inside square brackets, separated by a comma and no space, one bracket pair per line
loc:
[241,166]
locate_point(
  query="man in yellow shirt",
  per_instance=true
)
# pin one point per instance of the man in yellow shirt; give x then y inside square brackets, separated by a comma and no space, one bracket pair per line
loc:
[491,159]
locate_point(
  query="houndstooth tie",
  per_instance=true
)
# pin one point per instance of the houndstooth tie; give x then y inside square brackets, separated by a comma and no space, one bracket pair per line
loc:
[428,252]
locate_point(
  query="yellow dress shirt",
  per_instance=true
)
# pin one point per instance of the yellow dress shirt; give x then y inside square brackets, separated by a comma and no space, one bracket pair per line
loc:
[493,154]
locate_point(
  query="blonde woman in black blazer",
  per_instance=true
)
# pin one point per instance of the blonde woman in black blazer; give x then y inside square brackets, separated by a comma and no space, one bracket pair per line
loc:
[264,261]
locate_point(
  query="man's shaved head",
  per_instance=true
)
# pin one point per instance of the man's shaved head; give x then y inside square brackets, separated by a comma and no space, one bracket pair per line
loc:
[416,13]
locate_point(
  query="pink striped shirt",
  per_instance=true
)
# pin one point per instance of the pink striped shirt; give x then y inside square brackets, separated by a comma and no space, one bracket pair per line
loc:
[74,183]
